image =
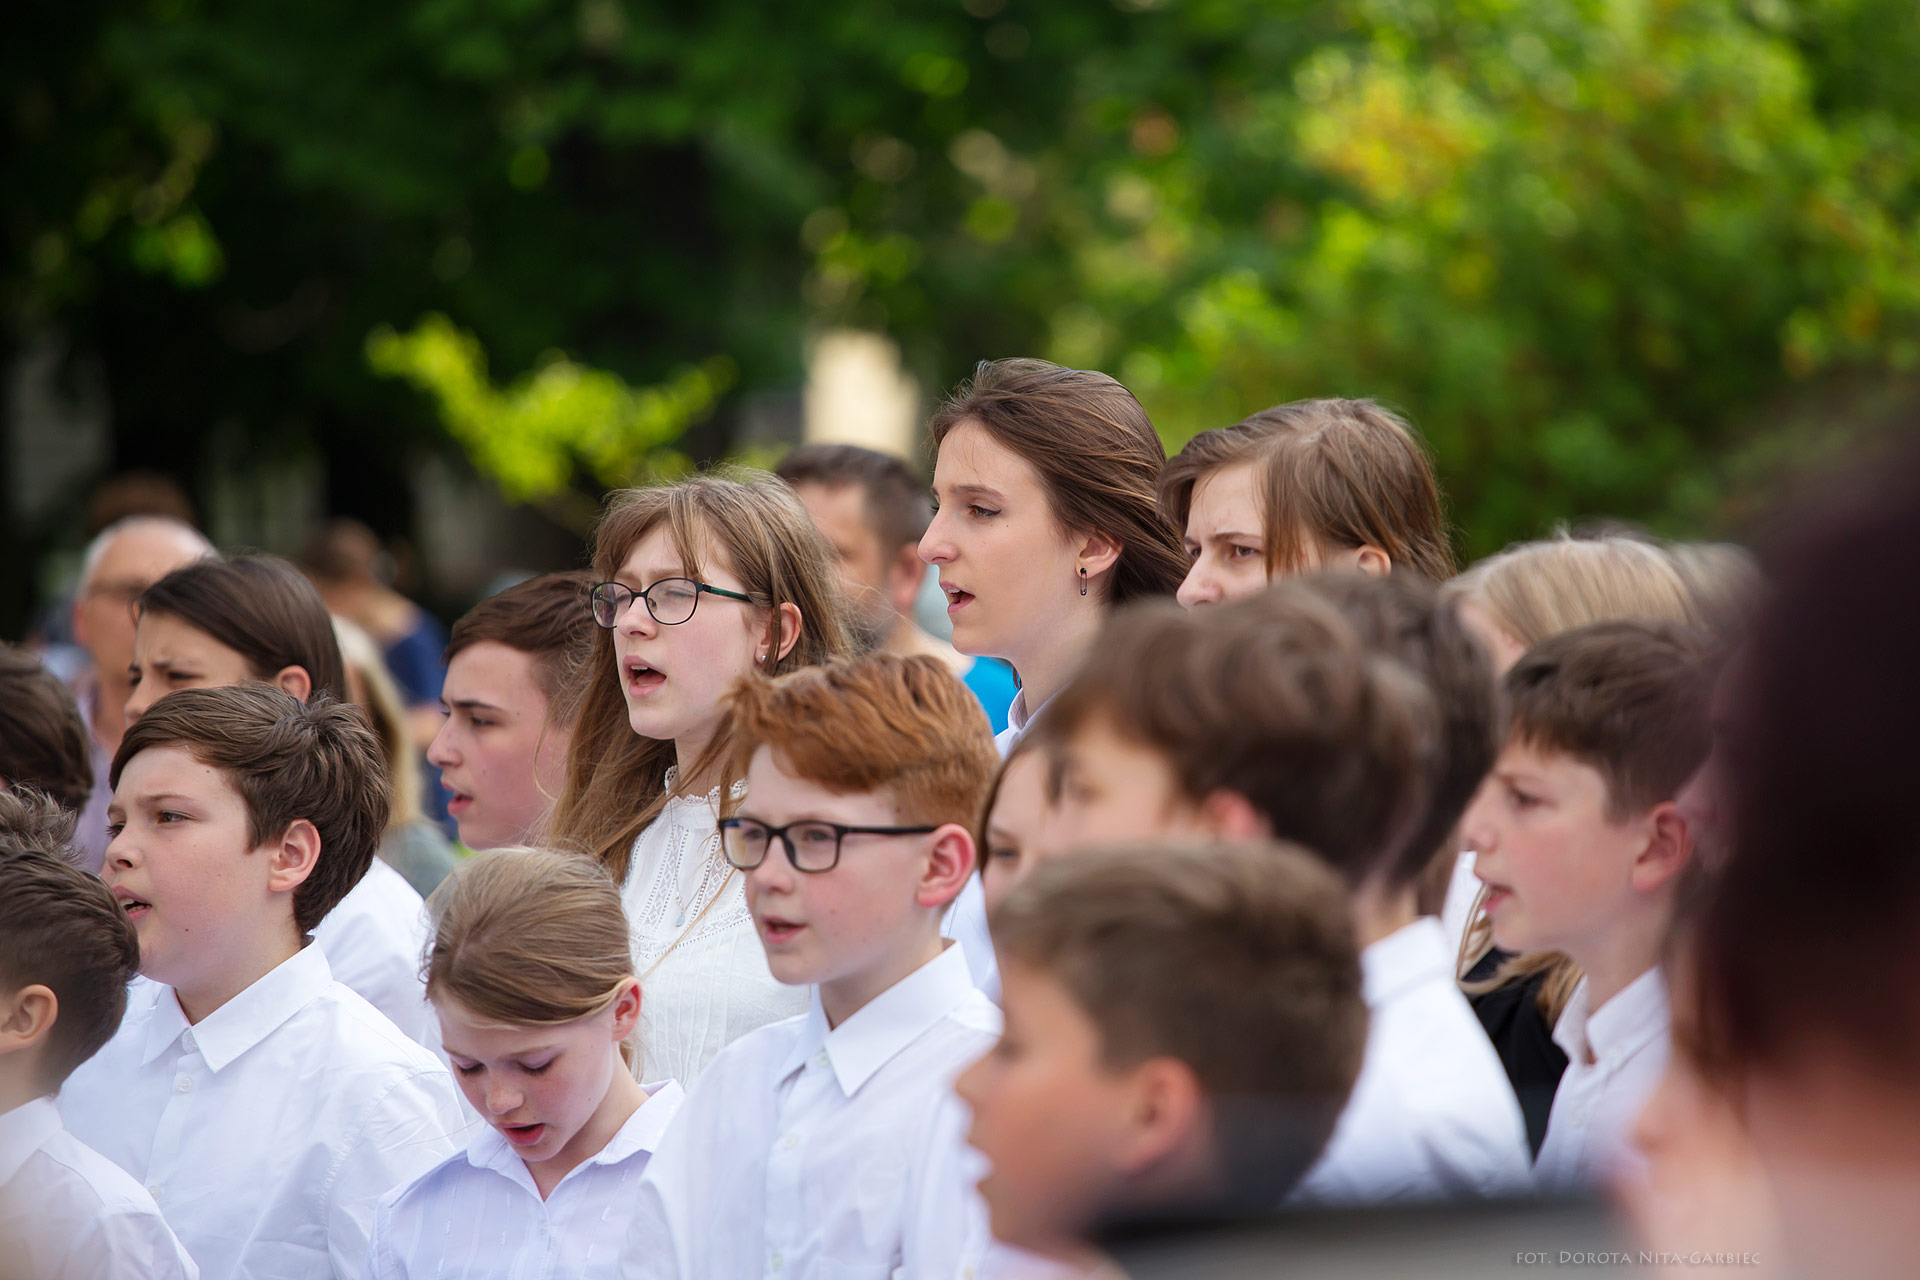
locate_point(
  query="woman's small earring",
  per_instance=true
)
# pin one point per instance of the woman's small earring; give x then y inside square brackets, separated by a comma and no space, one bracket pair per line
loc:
[1083,581]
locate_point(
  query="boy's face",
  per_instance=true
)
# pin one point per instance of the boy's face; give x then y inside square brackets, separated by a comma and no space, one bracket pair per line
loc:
[850,927]
[1015,827]
[1114,789]
[499,761]
[1556,866]
[1048,1115]
[181,863]
[539,1086]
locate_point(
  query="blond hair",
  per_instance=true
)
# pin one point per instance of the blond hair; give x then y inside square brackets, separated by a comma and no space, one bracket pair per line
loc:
[748,522]
[528,938]
[380,699]
[1538,589]
[1534,590]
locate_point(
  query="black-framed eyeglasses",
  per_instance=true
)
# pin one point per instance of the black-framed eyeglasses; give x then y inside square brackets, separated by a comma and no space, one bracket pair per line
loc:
[811,846]
[671,601]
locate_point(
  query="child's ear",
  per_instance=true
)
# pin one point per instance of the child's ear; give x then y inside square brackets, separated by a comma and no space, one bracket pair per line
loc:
[296,681]
[1373,561]
[293,856]
[626,1010]
[26,1017]
[1228,815]
[1669,847]
[950,861]
[1167,1111]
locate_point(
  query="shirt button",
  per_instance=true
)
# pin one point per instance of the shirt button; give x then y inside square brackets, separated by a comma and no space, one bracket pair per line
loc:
[789,1142]
[777,1262]
[183,1083]
[820,1059]
[188,1043]
[153,1189]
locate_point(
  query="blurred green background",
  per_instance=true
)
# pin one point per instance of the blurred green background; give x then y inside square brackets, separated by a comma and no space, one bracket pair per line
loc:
[1636,258]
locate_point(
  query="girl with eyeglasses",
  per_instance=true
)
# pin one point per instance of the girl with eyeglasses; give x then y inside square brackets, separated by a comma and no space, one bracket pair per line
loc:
[699,583]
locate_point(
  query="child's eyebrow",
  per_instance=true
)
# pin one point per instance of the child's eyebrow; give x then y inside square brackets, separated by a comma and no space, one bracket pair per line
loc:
[471,704]
[977,491]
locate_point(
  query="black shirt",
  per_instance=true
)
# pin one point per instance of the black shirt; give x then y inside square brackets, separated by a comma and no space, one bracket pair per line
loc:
[1524,1041]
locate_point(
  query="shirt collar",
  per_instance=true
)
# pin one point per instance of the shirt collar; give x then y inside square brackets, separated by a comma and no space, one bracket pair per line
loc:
[245,1020]
[642,1132]
[23,1131]
[1406,958]
[886,1024]
[1618,1029]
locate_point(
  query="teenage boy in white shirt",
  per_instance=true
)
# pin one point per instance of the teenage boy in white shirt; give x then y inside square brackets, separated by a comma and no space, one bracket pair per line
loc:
[66,956]
[265,1105]
[822,1145]
[1353,716]
[1584,852]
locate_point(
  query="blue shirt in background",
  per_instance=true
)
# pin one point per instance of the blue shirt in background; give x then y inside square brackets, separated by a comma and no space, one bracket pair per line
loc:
[993,683]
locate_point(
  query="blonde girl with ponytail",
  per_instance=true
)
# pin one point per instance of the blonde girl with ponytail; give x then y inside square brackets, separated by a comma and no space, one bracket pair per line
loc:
[530,972]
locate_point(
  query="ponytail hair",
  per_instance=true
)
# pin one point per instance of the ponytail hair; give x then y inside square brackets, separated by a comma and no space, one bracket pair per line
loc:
[528,937]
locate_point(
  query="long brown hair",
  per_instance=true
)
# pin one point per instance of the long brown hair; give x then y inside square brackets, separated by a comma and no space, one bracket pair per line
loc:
[1096,453]
[1341,473]
[756,527]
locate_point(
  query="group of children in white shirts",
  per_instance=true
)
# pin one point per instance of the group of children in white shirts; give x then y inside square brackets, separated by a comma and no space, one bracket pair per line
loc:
[741,1012]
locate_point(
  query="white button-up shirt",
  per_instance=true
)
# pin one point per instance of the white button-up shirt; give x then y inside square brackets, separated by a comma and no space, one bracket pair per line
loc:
[479,1212]
[1432,1116]
[68,1211]
[1616,1055]
[373,939]
[268,1131]
[805,1152]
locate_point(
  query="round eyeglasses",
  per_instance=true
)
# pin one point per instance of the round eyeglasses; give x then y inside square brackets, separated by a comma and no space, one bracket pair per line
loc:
[811,846]
[671,601]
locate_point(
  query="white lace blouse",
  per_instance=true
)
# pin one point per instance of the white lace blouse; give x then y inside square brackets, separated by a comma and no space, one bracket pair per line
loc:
[704,978]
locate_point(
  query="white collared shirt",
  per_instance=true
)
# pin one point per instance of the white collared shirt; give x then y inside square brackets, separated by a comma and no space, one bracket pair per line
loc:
[268,1131]
[1432,1116]
[1590,1129]
[373,939]
[705,975]
[805,1152]
[479,1212]
[69,1213]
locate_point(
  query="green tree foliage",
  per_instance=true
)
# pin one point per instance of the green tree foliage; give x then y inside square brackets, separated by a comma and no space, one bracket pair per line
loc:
[1589,245]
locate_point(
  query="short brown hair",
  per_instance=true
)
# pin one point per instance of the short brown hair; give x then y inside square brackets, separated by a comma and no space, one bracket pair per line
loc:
[897,507]
[1630,699]
[548,618]
[1403,617]
[32,819]
[60,927]
[904,727]
[43,741]
[1343,473]
[262,608]
[1096,453]
[1238,960]
[317,760]
[1274,697]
